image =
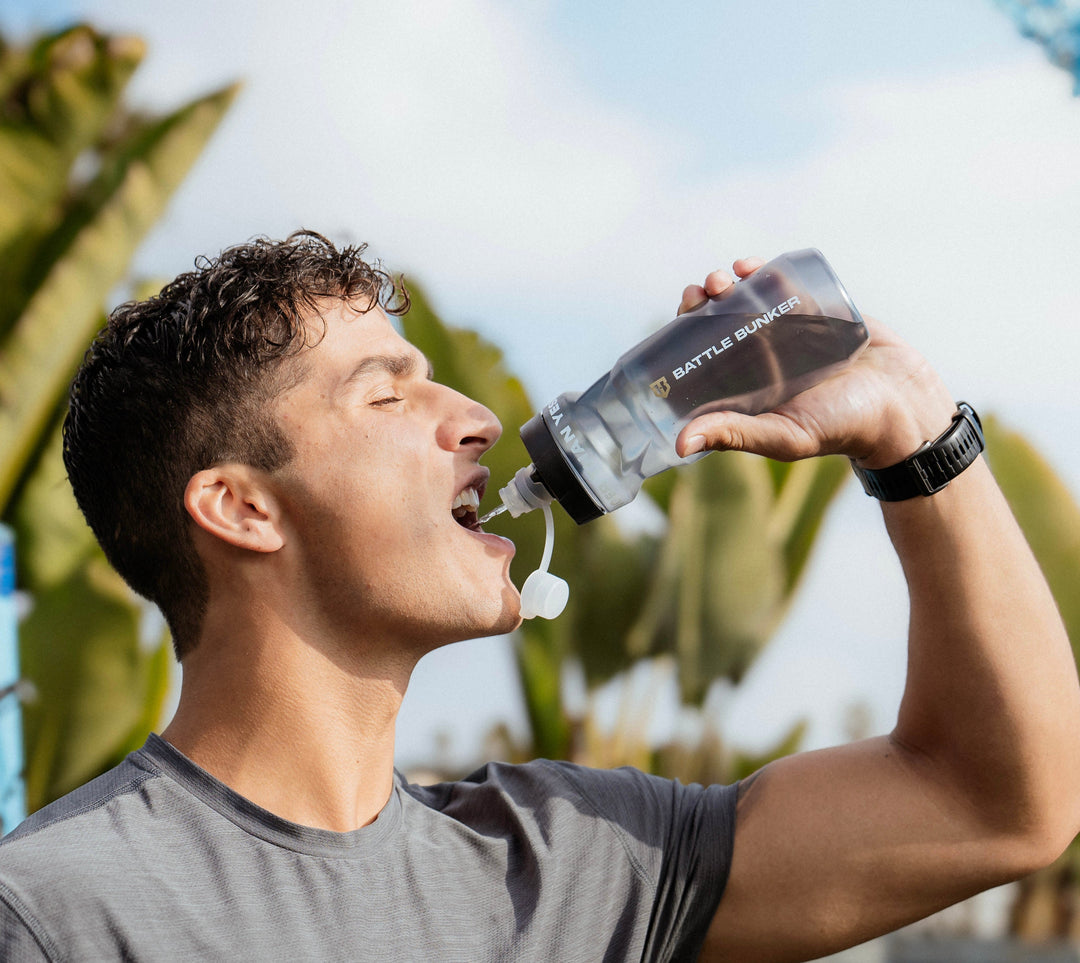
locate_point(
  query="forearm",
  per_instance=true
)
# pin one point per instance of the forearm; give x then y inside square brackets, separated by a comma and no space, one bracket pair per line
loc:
[992,702]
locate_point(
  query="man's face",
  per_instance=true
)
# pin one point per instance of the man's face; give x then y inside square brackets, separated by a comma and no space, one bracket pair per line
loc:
[381,454]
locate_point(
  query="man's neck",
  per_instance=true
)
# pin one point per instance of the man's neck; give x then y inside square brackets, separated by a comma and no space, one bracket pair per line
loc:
[293,732]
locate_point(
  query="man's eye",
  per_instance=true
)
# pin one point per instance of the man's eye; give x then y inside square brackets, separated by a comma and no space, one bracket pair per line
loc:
[383,402]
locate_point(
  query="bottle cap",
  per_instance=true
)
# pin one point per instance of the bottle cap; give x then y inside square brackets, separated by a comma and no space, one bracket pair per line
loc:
[555,474]
[544,595]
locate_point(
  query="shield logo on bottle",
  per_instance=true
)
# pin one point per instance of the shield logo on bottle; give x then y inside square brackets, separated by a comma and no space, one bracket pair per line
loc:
[661,388]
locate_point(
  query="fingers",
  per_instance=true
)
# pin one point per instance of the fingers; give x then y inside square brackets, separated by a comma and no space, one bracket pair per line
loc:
[696,294]
[716,283]
[746,266]
[692,296]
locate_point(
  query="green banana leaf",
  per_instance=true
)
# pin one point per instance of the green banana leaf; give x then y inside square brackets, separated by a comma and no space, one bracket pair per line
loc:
[1048,514]
[54,539]
[82,180]
[99,689]
[609,572]
[50,336]
[738,538]
[60,99]
[804,492]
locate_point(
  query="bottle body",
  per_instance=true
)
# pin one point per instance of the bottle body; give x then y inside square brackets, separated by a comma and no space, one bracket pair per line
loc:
[765,339]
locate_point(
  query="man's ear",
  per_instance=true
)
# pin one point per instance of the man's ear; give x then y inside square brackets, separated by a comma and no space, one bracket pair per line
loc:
[229,502]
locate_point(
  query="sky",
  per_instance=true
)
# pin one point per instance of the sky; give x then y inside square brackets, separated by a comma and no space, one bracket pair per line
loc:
[554,173]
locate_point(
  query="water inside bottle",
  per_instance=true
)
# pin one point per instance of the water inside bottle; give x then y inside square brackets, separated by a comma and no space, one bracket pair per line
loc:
[746,367]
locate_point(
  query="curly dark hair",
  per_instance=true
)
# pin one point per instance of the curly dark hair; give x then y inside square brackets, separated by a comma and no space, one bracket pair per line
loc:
[181,382]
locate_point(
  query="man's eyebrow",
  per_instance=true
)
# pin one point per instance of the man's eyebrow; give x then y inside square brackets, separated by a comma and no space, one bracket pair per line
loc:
[399,365]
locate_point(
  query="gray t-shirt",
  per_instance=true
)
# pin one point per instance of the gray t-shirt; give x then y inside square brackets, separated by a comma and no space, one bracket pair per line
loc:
[157,860]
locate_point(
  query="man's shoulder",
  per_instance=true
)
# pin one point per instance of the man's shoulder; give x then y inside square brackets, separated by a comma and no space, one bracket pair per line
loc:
[625,799]
[75,852]
[80,820]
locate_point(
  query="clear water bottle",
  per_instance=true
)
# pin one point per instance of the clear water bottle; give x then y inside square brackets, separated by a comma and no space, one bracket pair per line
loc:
[763,340]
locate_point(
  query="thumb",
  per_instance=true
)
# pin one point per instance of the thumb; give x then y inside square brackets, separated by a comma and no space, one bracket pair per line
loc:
[770,434]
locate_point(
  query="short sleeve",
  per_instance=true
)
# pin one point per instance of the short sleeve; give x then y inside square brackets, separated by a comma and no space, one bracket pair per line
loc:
[693,829]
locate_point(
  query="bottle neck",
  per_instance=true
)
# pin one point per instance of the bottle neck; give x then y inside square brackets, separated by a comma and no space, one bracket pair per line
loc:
[524,492]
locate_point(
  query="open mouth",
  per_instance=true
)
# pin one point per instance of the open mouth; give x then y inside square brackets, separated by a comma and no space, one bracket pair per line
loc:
[465,509]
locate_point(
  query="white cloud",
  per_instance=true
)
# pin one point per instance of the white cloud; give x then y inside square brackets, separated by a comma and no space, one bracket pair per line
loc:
[463,128]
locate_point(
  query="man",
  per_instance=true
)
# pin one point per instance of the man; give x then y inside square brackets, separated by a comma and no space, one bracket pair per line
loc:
[263,455]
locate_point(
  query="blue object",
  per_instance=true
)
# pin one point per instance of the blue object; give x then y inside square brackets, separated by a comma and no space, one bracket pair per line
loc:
[1055,25]
[12,790]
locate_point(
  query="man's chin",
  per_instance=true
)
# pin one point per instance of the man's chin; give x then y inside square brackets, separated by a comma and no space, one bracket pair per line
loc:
[509,616]
[508,619]
[502,619]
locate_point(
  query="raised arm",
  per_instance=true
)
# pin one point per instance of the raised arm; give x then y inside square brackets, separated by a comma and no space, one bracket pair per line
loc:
[979,783]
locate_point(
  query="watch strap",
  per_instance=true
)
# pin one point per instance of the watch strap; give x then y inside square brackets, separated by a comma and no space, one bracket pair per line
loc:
[933,466]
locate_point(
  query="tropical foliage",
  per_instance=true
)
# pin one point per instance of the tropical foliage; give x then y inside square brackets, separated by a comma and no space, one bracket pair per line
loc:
[82,180]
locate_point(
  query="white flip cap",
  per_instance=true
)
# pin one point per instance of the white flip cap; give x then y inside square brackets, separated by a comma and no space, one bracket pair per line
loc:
[544,595]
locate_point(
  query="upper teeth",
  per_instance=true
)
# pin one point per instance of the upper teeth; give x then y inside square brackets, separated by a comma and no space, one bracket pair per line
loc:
[467,501]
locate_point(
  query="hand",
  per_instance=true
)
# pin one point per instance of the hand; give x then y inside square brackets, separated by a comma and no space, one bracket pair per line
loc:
[879,410]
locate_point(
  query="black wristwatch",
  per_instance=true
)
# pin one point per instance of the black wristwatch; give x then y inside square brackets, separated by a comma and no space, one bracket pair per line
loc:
[933,466]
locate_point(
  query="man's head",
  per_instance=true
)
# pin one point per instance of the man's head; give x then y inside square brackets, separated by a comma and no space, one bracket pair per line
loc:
[185,381]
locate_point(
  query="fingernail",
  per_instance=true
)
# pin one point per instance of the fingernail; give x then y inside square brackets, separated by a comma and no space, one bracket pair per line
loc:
[694,444]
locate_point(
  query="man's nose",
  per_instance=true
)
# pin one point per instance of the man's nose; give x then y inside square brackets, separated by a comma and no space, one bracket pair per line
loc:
[468,424]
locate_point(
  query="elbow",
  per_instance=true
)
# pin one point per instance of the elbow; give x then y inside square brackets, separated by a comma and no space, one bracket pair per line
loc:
[1022,822]
[1031,806]
[1058,832]
[1055,823]
[1042,836]
[1039,849]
